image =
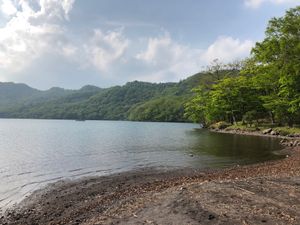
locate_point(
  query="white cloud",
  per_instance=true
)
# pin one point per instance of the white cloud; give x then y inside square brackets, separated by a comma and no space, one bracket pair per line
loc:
[69,50]
[58,8]
[30,32]
[34,32]
[8,8]
[257,3]
[104,49]
[227,49]
[162,51]
[168,60]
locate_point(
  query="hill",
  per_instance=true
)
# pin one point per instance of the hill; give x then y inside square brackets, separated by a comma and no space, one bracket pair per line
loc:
[141,101]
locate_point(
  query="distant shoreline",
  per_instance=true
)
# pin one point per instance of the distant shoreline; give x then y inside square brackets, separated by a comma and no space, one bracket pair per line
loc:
[137,121]
[135,197]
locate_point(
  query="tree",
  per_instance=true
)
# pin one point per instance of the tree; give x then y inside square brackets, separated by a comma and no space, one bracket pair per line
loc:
[235,96]
[215,69]
[228,100]
[276,64]
[196,108]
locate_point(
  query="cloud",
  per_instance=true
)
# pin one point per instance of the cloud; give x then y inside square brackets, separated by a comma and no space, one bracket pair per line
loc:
[257,3]
[168,60]
[8,8]
[227,49]
[34,30]
[35,38]
[30,31]
[58,8]
[161,51]
[104,49]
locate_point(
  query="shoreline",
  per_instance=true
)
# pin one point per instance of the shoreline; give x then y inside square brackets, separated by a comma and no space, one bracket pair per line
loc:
[138,196]
[286,141]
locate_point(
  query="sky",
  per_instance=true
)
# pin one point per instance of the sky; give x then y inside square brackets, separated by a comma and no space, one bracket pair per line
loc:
[71,43]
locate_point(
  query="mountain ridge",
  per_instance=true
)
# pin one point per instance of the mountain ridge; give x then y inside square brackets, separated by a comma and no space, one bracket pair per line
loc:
[136,100]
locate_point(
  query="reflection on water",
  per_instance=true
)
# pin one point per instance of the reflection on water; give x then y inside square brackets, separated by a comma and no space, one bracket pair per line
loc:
[36,152]
[234,148]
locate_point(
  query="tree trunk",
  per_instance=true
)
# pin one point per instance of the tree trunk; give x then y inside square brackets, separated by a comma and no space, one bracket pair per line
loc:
[290,122]
[233,118]
[272,117]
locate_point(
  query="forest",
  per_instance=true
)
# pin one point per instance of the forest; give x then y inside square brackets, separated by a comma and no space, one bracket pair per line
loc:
[138,101]
[266,88]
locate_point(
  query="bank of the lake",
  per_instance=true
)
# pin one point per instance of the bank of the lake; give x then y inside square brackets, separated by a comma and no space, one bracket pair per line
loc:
[264,193]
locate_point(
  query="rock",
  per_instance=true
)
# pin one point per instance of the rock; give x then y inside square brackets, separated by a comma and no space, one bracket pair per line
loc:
[191,155]
[273,132]
[295,143]
[211,217]
[283,141]
[182,189]
[267,131]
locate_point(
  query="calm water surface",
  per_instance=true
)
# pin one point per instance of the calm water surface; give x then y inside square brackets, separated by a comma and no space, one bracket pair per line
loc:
[34,153]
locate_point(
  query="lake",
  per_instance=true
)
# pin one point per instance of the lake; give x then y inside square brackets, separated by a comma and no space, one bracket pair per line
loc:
[34,153]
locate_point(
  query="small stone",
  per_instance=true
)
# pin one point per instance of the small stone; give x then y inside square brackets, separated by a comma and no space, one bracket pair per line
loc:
[211,217]
[182,188]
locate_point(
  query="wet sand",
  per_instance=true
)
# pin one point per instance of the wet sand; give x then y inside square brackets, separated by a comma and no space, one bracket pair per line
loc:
[265,193]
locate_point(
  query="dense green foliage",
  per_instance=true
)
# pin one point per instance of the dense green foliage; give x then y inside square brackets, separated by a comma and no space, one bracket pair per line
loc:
[140,101]
[268,86]
[159,109]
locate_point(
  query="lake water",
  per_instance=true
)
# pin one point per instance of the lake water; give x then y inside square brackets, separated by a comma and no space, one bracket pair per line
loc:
[34,153]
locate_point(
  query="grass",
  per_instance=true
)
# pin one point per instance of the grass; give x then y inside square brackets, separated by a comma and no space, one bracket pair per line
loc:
[287,130]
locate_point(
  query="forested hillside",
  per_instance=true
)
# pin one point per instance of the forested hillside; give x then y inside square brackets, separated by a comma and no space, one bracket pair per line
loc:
[140,101]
